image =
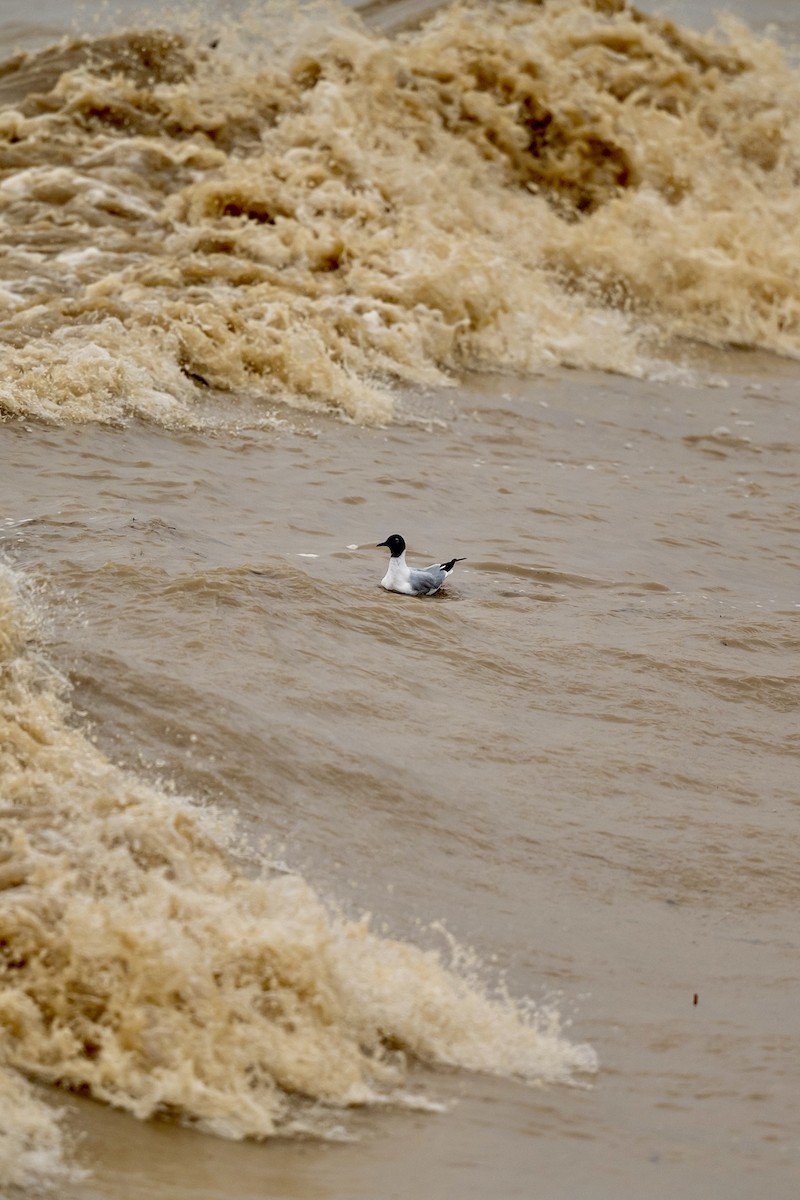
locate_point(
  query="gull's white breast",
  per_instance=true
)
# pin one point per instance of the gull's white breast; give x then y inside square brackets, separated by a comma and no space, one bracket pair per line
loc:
[398,577]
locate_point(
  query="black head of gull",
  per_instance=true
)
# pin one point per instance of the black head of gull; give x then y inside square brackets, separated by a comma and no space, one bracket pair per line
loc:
[396,544]
[412,581]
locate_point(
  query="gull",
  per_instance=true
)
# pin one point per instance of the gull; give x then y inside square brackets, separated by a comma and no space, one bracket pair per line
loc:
[412,581]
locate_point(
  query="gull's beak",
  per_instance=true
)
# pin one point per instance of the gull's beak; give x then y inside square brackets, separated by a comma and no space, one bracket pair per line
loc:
[386,543]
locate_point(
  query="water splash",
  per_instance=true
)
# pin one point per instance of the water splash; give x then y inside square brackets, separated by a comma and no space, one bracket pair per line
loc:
[293,210]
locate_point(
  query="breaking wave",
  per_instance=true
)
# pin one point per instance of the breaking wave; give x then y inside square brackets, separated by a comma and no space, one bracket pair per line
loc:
[294,210]
[143,965]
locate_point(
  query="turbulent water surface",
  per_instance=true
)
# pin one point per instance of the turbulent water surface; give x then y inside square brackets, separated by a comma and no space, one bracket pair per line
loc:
[339,892]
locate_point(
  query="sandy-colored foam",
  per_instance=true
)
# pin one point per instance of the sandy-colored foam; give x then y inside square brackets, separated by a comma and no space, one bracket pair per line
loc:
[307,212]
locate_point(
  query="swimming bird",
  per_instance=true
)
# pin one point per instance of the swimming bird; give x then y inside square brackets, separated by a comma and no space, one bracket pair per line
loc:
[412,581]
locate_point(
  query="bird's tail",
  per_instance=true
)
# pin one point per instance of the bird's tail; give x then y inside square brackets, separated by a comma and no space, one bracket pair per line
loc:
[448,566]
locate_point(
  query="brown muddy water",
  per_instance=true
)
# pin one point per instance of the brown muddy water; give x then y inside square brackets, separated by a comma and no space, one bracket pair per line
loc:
[582,759]
[315,891]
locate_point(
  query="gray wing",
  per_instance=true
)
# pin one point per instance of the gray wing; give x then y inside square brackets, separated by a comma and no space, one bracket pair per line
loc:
[426,582]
